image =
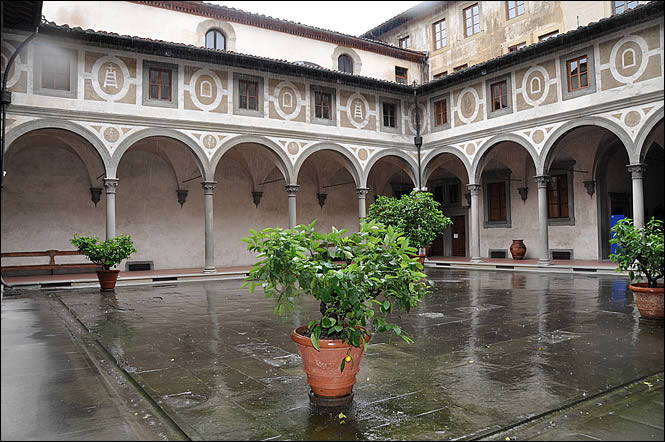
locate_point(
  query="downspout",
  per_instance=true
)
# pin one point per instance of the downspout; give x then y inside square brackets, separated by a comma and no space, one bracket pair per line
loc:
[418,140]
[5,100]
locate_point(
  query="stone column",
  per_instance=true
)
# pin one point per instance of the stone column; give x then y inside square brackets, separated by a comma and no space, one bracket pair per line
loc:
[543,229]
[637,174]
[362,206]
[291,190]
[208,194]
[110,184]
[475,223]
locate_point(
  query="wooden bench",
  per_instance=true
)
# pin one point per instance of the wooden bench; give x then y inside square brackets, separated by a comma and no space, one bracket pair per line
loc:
[50,266]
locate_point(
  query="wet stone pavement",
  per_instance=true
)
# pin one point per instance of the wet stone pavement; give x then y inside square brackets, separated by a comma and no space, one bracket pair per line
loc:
[492,350]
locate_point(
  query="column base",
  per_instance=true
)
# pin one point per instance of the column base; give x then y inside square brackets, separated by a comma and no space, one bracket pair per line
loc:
[476,260]
[209,270]
[544,262]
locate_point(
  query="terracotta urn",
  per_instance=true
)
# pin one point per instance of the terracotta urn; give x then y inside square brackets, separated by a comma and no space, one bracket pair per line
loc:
[327,381]
[518,249]
[107,279]
[649,301]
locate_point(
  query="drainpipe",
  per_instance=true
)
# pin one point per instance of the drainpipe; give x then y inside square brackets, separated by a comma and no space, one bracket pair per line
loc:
[418,140]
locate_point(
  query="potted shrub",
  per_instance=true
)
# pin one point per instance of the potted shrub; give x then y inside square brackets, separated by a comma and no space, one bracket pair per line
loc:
[107,254]
[640,252]
[358,279]
[417,214]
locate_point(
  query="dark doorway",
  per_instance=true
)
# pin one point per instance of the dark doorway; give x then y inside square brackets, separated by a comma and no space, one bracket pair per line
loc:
[459,236]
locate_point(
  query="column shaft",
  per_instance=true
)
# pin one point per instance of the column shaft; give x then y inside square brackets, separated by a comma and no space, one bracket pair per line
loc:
[208,200]
[637,175]
[362,202]
[291,190]
[110,184]
[543,228]
[475,223]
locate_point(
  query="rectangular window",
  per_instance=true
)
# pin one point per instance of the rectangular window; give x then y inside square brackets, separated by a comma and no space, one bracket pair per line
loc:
[440,75]
[160,84]
[499,96]
[517,47]
[405,43]
[515,8]
[55,73]
[548,35]
[453,193]
[461,67]
[440,113]
[248,91]
[401,76]
[496,201]
[578,75]
[471,20]
[622,6]
[389,111]
[322,101]
[439,31]
[557,196]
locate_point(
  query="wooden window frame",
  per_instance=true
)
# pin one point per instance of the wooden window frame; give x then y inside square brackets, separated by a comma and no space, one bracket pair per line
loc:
[345,58]
[320,108]
[440,112]
[245,84]
[439,75]
[516,47]
[460,67]
[464,20]
[502,203]
[390,116]
[516,4]
[579,73]
[404,77]
[442,41]
[404,40]
[562,198]
[159,84]
[503,96]
[551,34]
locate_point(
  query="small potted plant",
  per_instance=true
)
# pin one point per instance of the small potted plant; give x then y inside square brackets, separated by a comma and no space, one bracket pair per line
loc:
[640,252]
[358,279]
[107,254]
[417,214]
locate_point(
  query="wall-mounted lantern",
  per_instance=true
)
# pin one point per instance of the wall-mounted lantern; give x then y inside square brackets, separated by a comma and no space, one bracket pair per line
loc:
[95,194]
[322,198]
[590,187]
[182,196]
[256,197]
[524,192]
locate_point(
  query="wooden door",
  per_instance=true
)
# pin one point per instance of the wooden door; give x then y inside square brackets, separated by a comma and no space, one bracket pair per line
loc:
[459,236]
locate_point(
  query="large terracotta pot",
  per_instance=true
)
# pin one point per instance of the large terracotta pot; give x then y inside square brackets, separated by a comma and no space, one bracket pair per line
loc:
[649,301]
[323,367]
[518,249]
[107,279]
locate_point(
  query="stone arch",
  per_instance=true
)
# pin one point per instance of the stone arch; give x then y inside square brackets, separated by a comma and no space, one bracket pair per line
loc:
[641,147]
[432,154]
[342,50]
[351,163]
[283,163]
[476,168]
[132,139]
[223,26]
[89,136]
[413,165]
[545,157]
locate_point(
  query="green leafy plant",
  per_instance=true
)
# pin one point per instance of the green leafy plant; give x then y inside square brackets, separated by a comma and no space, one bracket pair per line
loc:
[359,279]
[108,253]
[639,250]
[417,215]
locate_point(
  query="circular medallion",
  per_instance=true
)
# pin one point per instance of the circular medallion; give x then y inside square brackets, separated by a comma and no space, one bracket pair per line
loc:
[362,154]
[537,136]
[470,149]
[632,118]
[209,142]
[111,134]
[293,147]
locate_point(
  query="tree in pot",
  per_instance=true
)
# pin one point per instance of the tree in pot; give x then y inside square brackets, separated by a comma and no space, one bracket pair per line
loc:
[358,279]
[107,254]
[640,252]
[417,214]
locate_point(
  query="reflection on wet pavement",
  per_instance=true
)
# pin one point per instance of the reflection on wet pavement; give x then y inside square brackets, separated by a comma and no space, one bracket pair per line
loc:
[491,349]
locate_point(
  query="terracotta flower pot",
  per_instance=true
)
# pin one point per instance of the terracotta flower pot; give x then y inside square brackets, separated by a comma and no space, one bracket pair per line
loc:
[107,279]
[649,301]
[323,367]
[518,249]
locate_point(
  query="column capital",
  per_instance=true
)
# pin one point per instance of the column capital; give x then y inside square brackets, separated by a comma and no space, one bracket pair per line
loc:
[362,192]
[209,187]
[292,189]
[110,184]
[542,180]
[637,170]
[473,188]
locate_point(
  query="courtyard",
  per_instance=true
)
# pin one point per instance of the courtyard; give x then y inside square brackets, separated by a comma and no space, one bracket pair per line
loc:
[494,352]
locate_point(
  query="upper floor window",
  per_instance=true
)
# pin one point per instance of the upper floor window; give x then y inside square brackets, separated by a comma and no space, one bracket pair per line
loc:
[439,30]
[322,105]
[548,35]
[401,75]
[515,8]
[389,113]
[405,43]
[55,73]
[440,75]
[517,47]
[215,40]
[499,96]
[460,67]
[622,6]
[578,76]
[471,20]
[248,93]
[440,113]
[160,84]
[345,64]
[557,196]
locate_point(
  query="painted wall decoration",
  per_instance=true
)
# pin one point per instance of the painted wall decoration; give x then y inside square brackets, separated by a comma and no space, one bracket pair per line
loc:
[109,78]
[287,100]
[536,85]
[205,90]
